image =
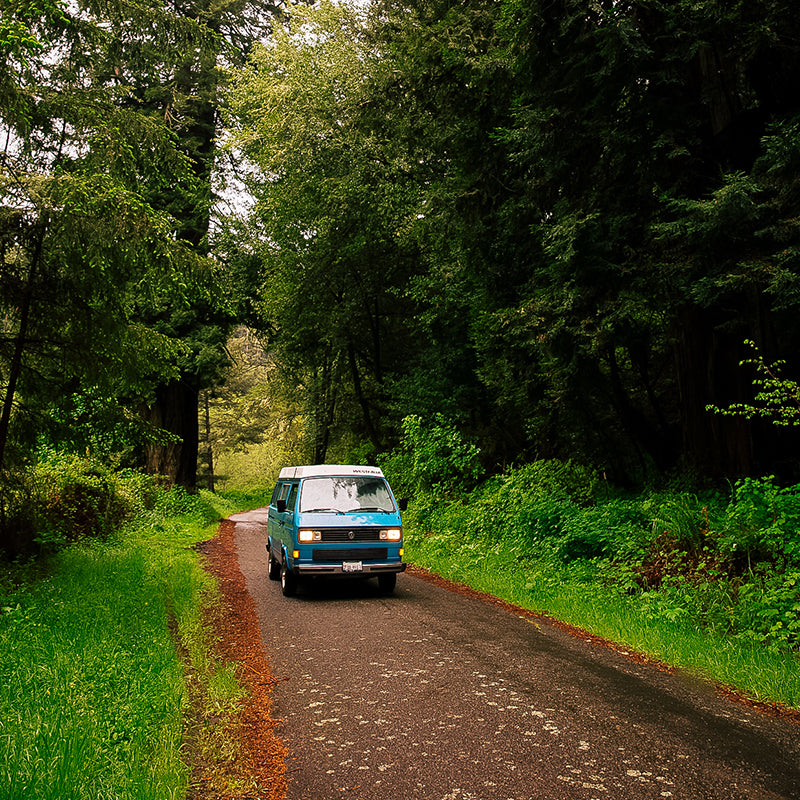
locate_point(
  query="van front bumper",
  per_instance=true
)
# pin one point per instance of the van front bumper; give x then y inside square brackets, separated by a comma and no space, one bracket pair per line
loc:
[339,569]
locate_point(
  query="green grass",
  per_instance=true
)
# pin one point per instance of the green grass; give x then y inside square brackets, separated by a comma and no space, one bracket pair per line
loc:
[95,647]
[90,684]
[576,595]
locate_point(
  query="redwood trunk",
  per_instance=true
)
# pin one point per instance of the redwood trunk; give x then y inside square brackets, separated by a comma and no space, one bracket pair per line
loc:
[175,411]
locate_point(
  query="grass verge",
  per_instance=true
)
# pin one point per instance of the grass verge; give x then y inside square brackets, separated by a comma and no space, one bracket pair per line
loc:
[107,659]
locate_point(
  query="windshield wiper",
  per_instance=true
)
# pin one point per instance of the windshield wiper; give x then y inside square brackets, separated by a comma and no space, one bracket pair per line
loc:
[368,508]
[314,510]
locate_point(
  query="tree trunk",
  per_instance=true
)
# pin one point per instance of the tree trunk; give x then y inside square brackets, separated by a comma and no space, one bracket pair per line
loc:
[177,404]
[707,370]
[15,368]
[175,411]
[324,411]
[209,448]
[641,431]
[362,400]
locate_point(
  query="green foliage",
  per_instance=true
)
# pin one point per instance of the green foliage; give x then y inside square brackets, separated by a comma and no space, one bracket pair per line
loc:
[569,257]
[681,519]
[78,235]
[253,427]
[550,480]
[65,499]
[333,203]
[728,565]
[777,399]
[558,223]
[433,457]
[762,524]
[767,610]
[108,115]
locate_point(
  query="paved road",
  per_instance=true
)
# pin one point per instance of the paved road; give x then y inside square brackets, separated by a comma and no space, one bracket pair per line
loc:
[429,695]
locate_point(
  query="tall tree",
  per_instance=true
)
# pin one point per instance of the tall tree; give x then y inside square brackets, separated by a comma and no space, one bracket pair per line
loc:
[177,80]
[646,140]
[445,94]
[330,201]
[584,206]
[77,235]
[133,72]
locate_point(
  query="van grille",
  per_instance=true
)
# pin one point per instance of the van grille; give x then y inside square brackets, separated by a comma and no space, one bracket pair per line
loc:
[350,554]
[350,534]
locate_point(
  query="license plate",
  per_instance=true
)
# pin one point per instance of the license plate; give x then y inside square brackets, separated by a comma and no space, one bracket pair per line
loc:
[352,566]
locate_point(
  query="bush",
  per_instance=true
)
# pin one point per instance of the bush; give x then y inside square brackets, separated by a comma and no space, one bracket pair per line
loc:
[74,498]
[432,457]
[532,503]
[65,498]
[762,523]
[615,529]
[768,610]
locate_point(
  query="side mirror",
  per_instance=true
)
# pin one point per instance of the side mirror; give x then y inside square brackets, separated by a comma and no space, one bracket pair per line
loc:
[402,503]
[280,505]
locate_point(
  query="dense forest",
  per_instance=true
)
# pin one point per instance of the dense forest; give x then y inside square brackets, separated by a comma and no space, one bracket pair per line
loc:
[566,228]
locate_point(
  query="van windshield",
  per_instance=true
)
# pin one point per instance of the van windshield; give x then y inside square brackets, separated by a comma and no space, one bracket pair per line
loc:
[345,495]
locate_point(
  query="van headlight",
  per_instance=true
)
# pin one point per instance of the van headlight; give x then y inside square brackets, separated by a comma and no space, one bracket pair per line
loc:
[307,535]
[392,535]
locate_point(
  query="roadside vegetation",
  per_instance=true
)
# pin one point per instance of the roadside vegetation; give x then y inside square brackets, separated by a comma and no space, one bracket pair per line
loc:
[109,671]
[108,665]
[707,581]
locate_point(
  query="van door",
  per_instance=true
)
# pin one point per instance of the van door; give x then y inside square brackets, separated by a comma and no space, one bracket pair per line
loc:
[276,521]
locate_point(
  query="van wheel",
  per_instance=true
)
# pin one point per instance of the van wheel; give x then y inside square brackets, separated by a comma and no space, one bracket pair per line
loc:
[288,582]
[387,582]
[274,571]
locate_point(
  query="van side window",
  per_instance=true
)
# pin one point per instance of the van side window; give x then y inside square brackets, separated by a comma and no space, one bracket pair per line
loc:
[284,491]
[291,500]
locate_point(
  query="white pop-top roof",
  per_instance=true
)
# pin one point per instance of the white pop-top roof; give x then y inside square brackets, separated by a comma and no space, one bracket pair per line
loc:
[318,470]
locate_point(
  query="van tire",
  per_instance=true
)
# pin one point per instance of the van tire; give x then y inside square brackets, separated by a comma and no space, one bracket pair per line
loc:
[387,582]
[288,582]
[274,570]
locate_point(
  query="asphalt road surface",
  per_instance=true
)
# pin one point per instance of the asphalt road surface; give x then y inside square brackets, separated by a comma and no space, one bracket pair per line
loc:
[431,695]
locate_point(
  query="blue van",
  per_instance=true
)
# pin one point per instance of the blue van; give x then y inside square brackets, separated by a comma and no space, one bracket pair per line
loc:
[334,520]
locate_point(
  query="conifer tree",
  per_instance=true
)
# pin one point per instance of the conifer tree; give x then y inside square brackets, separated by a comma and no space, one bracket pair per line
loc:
[77,235]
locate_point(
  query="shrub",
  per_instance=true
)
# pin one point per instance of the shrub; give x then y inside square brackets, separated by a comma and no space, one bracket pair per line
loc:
[433,456]
[768,609]
[683,520]
[613,529]
[531,503]
[76,499]
[66,498]
[762,523]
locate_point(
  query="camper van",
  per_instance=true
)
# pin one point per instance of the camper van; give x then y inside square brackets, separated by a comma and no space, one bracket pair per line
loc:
[334,521]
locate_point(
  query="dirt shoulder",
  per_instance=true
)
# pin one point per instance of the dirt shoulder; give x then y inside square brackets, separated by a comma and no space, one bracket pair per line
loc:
[259,771]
